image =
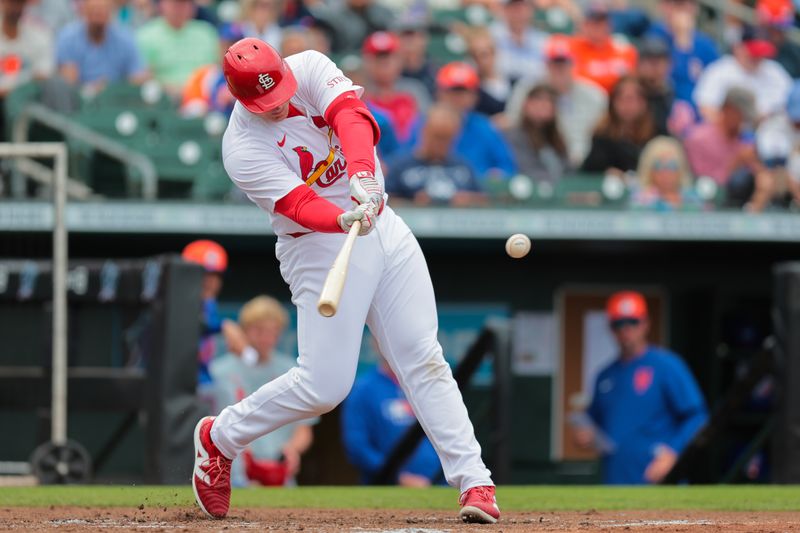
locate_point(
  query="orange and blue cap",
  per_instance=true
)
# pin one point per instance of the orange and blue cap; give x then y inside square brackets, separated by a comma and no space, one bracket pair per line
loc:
[626,305]
[207,254]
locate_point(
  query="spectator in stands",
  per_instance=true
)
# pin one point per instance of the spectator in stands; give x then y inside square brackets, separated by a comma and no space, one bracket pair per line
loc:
[296,12]
[26,48]
[26,52]
[207,91]
[319,36]
[748,67]
[624,131]
[791,133]
[539,148]
[388,144]
[352,21]
[775,18]
[665,181]
[174,45]
[214,260]
[296,39]
[432,173]
[557,16]
[494,88]
[723,150]
[260,20]
[417,65]
[54,14]
[653,70]
[646,406]
[479,142]
[519,45]
[275,458]
[630,21]
[375,417]
[402,100]
[691,49]
[134,14]
[581,103]
[598,57]
[96,51]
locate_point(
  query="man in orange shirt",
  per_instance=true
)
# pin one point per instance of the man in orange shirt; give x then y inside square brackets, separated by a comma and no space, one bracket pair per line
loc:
[598,56]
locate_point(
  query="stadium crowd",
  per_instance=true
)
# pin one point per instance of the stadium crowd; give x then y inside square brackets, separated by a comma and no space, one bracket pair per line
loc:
[474,94]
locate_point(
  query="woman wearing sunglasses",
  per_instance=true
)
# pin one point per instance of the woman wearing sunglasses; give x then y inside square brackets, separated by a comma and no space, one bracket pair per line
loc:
[665,181]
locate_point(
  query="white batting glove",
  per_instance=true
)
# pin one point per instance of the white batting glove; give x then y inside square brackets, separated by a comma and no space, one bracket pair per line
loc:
[363,212]
[364,188]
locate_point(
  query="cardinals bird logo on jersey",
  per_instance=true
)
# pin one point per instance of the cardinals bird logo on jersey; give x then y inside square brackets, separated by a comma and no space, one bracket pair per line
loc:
[324,173]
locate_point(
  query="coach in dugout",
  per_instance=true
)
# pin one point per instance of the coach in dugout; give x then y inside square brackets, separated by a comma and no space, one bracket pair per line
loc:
[646,406]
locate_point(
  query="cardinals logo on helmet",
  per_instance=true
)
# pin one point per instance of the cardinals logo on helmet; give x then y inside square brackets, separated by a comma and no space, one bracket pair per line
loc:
[266,81]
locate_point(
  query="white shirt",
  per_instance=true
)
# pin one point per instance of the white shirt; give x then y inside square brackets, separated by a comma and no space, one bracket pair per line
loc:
[271,35]
[33,48]
[267,160]
[769,83]
[519,60]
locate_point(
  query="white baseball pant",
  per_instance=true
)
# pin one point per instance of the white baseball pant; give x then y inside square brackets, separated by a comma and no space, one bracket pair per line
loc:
[388,287]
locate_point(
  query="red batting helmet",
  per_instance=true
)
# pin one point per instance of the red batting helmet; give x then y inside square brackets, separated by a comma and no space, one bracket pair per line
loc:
[257,75]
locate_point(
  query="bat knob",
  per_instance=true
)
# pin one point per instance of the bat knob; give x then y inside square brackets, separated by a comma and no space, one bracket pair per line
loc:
[326,309]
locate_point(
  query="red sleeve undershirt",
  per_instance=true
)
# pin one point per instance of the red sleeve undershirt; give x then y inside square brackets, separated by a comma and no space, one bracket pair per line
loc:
[310,210]
[358,132]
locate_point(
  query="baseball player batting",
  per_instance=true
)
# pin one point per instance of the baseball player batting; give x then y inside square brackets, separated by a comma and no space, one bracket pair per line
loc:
[301,145]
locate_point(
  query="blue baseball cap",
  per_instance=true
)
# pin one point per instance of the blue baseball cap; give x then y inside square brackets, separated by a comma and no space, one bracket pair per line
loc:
[793,103]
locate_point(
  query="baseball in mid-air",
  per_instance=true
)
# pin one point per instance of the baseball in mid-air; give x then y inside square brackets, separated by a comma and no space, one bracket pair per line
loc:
[518,245]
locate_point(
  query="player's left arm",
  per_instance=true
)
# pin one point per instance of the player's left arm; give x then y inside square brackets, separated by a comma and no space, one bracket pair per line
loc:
[686,403]
[358,133]
[337,98]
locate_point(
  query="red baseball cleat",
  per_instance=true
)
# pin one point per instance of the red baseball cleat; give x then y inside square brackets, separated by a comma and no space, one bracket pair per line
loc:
[211,480]
[479,506]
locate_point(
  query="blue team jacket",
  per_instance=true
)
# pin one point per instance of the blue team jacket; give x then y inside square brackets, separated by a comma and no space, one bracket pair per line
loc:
[375,417]
[640,404]
[481,145]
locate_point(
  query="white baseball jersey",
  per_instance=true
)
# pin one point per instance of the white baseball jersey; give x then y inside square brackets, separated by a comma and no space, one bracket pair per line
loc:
[388,286]
[267,159]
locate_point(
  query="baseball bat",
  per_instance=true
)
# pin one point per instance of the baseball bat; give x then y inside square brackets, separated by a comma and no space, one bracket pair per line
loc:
[334,283]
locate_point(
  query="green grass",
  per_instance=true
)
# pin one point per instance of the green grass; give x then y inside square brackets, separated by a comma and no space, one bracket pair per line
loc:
[512,498]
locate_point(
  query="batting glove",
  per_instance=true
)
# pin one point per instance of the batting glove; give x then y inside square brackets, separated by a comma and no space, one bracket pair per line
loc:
[364,188]
[363,212]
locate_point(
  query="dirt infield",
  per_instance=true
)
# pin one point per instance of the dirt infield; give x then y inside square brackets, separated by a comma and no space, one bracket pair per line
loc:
[78,519]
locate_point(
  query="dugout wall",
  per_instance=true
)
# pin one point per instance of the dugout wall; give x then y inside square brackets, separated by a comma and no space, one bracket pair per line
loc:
[712,289]
[133,333]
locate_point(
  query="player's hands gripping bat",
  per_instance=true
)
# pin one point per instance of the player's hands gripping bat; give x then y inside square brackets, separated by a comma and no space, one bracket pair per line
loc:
[363,213]
[364,188]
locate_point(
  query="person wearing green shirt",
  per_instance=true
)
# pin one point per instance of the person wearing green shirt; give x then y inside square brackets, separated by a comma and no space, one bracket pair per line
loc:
[175,44]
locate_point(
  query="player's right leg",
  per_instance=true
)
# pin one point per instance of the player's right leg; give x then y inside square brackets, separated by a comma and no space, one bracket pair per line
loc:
[328,355]
[403,319]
